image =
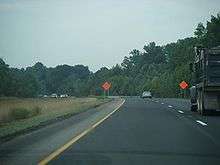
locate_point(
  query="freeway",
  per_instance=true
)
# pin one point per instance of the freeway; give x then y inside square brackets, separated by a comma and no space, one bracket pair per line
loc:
[141,131]
[149,132]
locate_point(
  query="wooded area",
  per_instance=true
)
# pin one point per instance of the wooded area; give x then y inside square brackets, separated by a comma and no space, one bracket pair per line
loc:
[156,68]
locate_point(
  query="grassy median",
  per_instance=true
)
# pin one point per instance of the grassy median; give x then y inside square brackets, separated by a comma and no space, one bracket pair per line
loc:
[17,115]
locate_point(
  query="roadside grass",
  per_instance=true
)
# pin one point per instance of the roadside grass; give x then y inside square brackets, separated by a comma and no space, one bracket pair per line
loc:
[98,97]
[21,114]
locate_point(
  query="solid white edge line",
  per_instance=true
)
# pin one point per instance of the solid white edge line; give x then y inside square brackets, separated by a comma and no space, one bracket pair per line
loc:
[202,123]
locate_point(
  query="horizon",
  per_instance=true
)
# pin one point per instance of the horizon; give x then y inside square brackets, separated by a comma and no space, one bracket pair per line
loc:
[108,67]
[95,34]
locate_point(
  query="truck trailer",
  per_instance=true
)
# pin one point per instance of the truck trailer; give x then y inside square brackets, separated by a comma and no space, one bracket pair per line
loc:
[205,92]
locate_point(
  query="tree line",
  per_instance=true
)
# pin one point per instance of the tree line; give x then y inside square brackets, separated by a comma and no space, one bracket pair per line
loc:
[156,68]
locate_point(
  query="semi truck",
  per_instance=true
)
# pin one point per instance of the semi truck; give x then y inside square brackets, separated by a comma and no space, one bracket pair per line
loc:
[205,91]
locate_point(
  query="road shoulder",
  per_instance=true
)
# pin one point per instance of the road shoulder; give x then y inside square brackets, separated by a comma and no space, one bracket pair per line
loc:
[36,145]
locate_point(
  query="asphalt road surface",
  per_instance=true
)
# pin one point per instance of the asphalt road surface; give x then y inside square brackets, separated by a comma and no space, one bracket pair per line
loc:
[141,131]
[157,131]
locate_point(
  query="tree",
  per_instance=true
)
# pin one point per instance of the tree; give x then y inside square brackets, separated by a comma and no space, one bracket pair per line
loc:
[156,68]
[39,71]
[213,32]
[153,54]
[200,31]
[4,78]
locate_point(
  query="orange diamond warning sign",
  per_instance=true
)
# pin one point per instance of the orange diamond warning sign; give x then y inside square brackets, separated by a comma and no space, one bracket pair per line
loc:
[183,85]
[106,86]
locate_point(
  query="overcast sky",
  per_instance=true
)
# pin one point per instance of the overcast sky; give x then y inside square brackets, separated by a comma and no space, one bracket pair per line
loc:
[95,33]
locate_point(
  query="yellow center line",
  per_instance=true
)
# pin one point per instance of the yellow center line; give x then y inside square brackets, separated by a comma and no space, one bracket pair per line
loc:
[75,139]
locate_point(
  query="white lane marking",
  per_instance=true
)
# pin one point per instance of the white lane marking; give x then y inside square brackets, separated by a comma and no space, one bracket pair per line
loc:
[170,106]
[180,111]
[202,123]
[156,101]
[162,103]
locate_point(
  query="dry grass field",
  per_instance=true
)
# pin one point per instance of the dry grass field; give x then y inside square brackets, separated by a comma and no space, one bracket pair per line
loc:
[13,111]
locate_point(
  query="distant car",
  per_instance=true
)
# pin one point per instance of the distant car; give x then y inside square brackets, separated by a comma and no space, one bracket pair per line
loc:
[64,95]
[54,95]
[146,94]
[45,96]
